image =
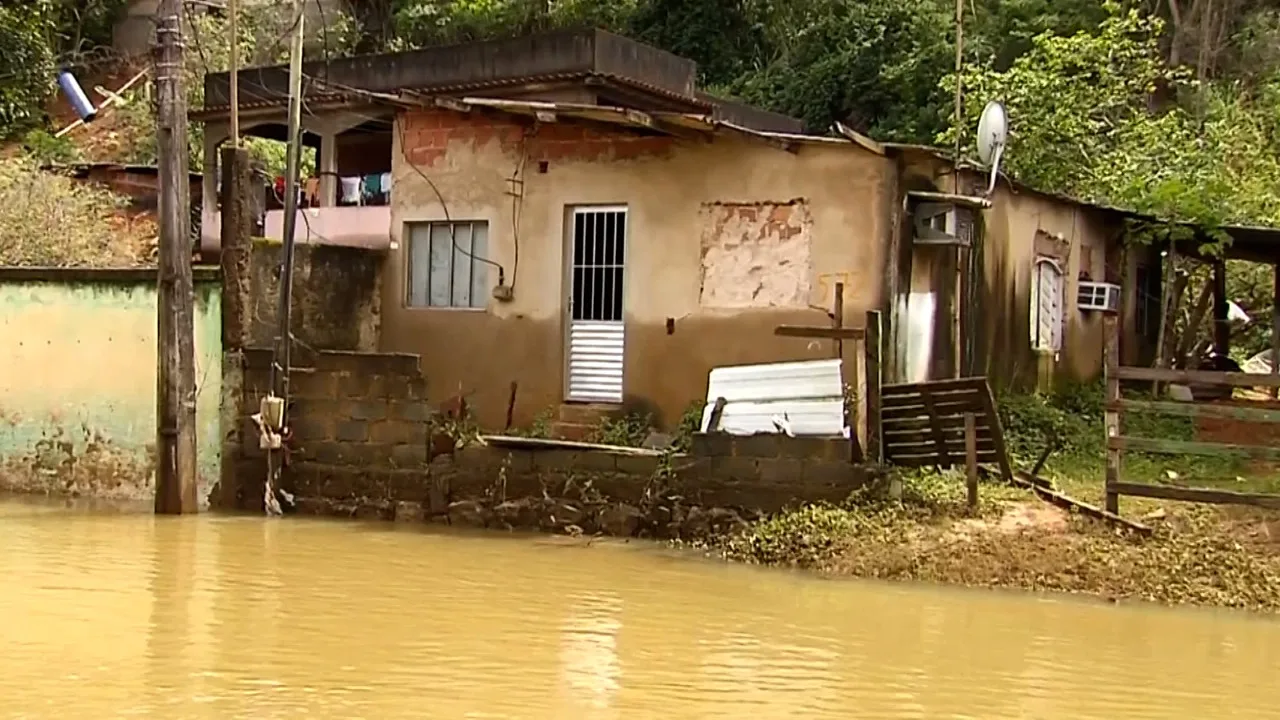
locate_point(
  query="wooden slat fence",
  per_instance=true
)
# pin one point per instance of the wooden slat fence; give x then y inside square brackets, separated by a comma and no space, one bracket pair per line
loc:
[1118,443]
[923,424]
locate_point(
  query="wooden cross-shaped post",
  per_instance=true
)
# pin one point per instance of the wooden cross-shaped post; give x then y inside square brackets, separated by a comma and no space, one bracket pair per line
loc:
[837,333]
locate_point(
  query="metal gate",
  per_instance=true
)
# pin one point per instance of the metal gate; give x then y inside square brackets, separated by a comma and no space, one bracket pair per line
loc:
[596,335]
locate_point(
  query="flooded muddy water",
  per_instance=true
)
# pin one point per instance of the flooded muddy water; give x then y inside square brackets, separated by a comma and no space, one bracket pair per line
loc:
[120,614]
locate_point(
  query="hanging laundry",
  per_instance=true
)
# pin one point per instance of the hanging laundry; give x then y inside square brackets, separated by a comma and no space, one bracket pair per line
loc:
[372,189]
[312,192]
[350,190]
[386,184]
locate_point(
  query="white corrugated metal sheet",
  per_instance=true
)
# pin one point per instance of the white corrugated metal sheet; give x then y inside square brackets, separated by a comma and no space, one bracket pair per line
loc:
[810,395]
[595,360]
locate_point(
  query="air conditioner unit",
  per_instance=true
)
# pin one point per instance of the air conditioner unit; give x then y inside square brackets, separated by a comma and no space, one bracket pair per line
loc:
[1098,296]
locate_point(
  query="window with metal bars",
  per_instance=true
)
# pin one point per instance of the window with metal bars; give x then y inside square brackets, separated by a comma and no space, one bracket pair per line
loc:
[599,251]
[446,265]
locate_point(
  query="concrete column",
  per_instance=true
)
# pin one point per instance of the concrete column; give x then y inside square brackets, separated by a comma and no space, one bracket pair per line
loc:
[214,135]
[327,166]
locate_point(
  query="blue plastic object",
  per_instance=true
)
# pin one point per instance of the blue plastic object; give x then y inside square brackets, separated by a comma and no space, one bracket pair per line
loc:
[76,96]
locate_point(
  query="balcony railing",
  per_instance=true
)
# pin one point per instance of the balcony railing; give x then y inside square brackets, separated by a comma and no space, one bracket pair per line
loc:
[366,226]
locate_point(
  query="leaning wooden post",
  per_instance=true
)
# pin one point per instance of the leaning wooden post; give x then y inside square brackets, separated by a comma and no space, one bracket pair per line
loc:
[837,318]
[1275,327]
[971,458]
[1111,365]
[875,444]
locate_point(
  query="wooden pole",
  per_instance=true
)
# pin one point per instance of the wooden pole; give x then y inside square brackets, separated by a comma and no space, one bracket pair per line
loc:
[282,363]
[971,458]
[233,11]
[1112,417]
[959,94]
[1167,290]
[875,444]
[1192,332]
[837,318]
[1221,325]
[175,377]
[284,342]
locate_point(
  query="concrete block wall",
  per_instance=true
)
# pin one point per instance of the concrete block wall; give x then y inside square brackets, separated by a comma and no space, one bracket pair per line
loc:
[362,429]
[349,411]
[782,472]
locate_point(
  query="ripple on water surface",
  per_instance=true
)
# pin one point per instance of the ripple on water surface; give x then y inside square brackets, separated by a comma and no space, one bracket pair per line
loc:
[126,615]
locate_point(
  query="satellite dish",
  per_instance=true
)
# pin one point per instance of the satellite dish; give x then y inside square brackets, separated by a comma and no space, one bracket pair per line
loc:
[993,131]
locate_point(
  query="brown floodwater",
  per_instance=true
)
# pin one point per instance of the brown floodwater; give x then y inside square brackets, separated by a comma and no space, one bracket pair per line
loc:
[120,614]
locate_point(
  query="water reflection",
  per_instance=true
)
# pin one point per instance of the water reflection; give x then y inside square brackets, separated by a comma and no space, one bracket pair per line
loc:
[125,615]
[590,671]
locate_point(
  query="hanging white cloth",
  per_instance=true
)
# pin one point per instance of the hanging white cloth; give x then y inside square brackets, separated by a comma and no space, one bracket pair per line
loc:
[351,190]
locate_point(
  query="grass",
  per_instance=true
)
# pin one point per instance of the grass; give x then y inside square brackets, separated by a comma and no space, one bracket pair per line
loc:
[1198,554]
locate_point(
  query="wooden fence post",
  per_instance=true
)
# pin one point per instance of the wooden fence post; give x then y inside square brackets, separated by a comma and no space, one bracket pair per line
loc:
[1111,365]
[971,458]
[875,443]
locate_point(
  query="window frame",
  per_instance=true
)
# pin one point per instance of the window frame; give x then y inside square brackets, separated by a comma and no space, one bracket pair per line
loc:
[477,265]
[1034,311]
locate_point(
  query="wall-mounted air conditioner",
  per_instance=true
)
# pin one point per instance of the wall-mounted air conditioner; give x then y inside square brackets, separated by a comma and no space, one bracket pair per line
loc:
[1098,296]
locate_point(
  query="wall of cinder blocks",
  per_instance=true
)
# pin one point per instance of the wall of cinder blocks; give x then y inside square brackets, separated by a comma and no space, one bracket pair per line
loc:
[358,411]
[361,435]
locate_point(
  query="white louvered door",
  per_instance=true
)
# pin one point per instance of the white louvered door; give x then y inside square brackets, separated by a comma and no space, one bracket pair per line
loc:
[597,335]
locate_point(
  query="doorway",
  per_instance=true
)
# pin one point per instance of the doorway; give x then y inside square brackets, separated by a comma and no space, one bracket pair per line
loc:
[596,339]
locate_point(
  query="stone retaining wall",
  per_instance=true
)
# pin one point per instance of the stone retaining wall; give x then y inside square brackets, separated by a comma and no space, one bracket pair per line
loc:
[362,429]
[587,491]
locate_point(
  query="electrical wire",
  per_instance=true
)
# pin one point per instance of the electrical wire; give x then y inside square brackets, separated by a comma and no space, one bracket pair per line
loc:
[517,204]
[444,205]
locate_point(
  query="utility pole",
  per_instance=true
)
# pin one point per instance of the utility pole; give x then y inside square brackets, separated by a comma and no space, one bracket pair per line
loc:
[175,379]
[233,9]
[236,246]
[280,365]
[959,90]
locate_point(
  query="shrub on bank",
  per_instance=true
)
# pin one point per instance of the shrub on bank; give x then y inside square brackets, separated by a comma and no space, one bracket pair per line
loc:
[47,219]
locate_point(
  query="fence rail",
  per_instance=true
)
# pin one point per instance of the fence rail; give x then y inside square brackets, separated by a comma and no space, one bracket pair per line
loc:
[1118,443]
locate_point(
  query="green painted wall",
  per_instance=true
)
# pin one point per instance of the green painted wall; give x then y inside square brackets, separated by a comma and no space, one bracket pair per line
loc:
[78,381]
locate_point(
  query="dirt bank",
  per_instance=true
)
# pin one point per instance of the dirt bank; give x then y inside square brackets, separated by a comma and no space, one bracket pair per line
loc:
[1228,557]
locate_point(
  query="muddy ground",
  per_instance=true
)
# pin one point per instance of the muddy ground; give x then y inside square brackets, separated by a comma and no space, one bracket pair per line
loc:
[1199,555]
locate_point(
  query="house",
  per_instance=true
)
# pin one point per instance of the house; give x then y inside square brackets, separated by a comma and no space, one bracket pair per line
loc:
[568,212]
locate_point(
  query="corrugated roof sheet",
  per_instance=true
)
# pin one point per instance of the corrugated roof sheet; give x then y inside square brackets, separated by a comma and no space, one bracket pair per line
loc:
[807,396]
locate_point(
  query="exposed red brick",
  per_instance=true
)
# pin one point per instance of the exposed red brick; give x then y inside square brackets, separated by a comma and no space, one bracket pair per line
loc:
[428,134]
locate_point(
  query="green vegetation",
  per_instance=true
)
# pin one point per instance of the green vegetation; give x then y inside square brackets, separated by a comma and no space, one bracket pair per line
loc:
[1072,418]
[84,223]
[1197,555]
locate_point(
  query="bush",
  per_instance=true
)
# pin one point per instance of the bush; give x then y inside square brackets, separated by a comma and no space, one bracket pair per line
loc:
[806,537]
[48,219]
[1072,415]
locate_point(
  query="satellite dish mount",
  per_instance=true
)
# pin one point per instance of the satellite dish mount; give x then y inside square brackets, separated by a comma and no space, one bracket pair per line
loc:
[993,133]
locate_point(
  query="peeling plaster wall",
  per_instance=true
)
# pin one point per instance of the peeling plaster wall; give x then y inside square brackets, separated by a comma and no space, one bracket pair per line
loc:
[1012,226]
[78,382]
[1088,242]
[668,184]
[756,255]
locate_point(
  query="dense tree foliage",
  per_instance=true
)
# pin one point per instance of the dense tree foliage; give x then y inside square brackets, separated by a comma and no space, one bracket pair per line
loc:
[36,38]
[1166,106]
